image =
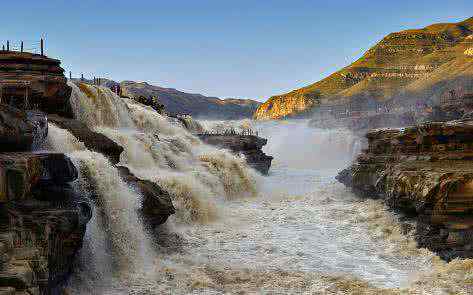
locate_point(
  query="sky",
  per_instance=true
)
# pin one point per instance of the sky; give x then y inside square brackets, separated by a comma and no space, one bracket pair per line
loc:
[244,49]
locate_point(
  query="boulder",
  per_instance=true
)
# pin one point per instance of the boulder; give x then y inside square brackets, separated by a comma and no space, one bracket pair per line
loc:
[248,145]
[156,204]
[92,140]
[425,171]
[21,131]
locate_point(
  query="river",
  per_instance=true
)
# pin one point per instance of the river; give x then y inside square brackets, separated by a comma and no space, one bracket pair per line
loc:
[296,231]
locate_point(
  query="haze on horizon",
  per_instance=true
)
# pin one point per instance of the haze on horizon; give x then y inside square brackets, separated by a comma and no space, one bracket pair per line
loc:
[249,49]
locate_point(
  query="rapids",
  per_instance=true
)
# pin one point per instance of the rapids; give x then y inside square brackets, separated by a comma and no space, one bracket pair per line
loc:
[296,231]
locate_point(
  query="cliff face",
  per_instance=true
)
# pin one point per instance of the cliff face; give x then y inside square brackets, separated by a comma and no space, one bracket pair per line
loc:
[404,66]
[32,81]
[43,222]
[427,172]
[196,105]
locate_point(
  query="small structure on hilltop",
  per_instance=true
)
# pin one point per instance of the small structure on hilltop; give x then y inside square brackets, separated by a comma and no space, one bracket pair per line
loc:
[33,81]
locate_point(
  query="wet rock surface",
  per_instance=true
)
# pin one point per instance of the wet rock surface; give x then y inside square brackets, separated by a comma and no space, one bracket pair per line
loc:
[156,203]
[21,131]
[42,222]
[427,172]
[248,145]
[92,140]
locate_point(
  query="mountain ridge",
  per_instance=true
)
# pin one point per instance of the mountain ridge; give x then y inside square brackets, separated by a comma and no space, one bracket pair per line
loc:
[179,102]
[383,73]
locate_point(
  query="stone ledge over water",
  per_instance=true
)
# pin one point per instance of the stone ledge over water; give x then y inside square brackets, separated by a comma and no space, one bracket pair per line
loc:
[248,145]
[427,172]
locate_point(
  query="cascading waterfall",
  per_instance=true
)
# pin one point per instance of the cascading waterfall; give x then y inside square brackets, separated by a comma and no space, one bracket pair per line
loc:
[156,148]
[116,220]
[159,149]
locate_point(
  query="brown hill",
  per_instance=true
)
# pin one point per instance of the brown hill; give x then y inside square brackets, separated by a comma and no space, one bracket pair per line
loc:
[403,67]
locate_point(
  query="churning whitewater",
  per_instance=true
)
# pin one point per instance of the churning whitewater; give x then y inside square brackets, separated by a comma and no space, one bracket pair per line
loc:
[296,231]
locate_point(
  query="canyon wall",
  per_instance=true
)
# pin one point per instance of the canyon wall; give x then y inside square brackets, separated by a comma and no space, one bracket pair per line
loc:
[426,172]
[43,217]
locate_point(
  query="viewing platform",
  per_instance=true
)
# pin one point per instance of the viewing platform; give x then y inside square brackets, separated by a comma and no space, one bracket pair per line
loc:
[33,81]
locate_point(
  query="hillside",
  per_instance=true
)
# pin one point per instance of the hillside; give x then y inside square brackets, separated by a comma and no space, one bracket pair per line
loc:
[197,105]
[402,68]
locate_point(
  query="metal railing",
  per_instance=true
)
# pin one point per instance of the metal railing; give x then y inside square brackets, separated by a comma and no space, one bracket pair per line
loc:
[31,46]
[230,132]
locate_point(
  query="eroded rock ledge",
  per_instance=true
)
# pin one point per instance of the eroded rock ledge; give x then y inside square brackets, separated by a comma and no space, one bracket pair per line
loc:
[156,204]
[426,171]
[92,140]
[42,222]
[248,145]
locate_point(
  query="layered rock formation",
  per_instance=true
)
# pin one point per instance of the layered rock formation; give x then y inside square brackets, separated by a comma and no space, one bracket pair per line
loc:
[427,172]
[42,219]
[43,222]
[401,70]
[250,146]
[33,81]
[21,130]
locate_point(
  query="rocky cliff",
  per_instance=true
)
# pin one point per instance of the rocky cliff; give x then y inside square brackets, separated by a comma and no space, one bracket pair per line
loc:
[196,105]
[33,81]
[403,68]
[425,171]
[42,218]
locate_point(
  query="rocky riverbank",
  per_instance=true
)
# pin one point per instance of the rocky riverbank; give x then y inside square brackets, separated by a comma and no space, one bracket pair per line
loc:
[42,217]
[249,146]
[425,171]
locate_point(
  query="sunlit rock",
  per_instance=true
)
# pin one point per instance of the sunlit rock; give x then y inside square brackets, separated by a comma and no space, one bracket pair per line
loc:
[33,81]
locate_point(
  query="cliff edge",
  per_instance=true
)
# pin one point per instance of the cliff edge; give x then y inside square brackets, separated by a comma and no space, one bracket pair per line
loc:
[425,171]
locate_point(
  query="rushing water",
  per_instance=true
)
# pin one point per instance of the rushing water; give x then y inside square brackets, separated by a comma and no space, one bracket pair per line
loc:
[296,231]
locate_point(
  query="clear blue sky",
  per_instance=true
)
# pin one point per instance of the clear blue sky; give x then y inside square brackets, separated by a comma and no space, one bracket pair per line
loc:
[251,49]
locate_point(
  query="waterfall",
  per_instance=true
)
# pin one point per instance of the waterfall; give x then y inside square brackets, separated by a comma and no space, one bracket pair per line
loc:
[119,254]
[160,149]
[116,224]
